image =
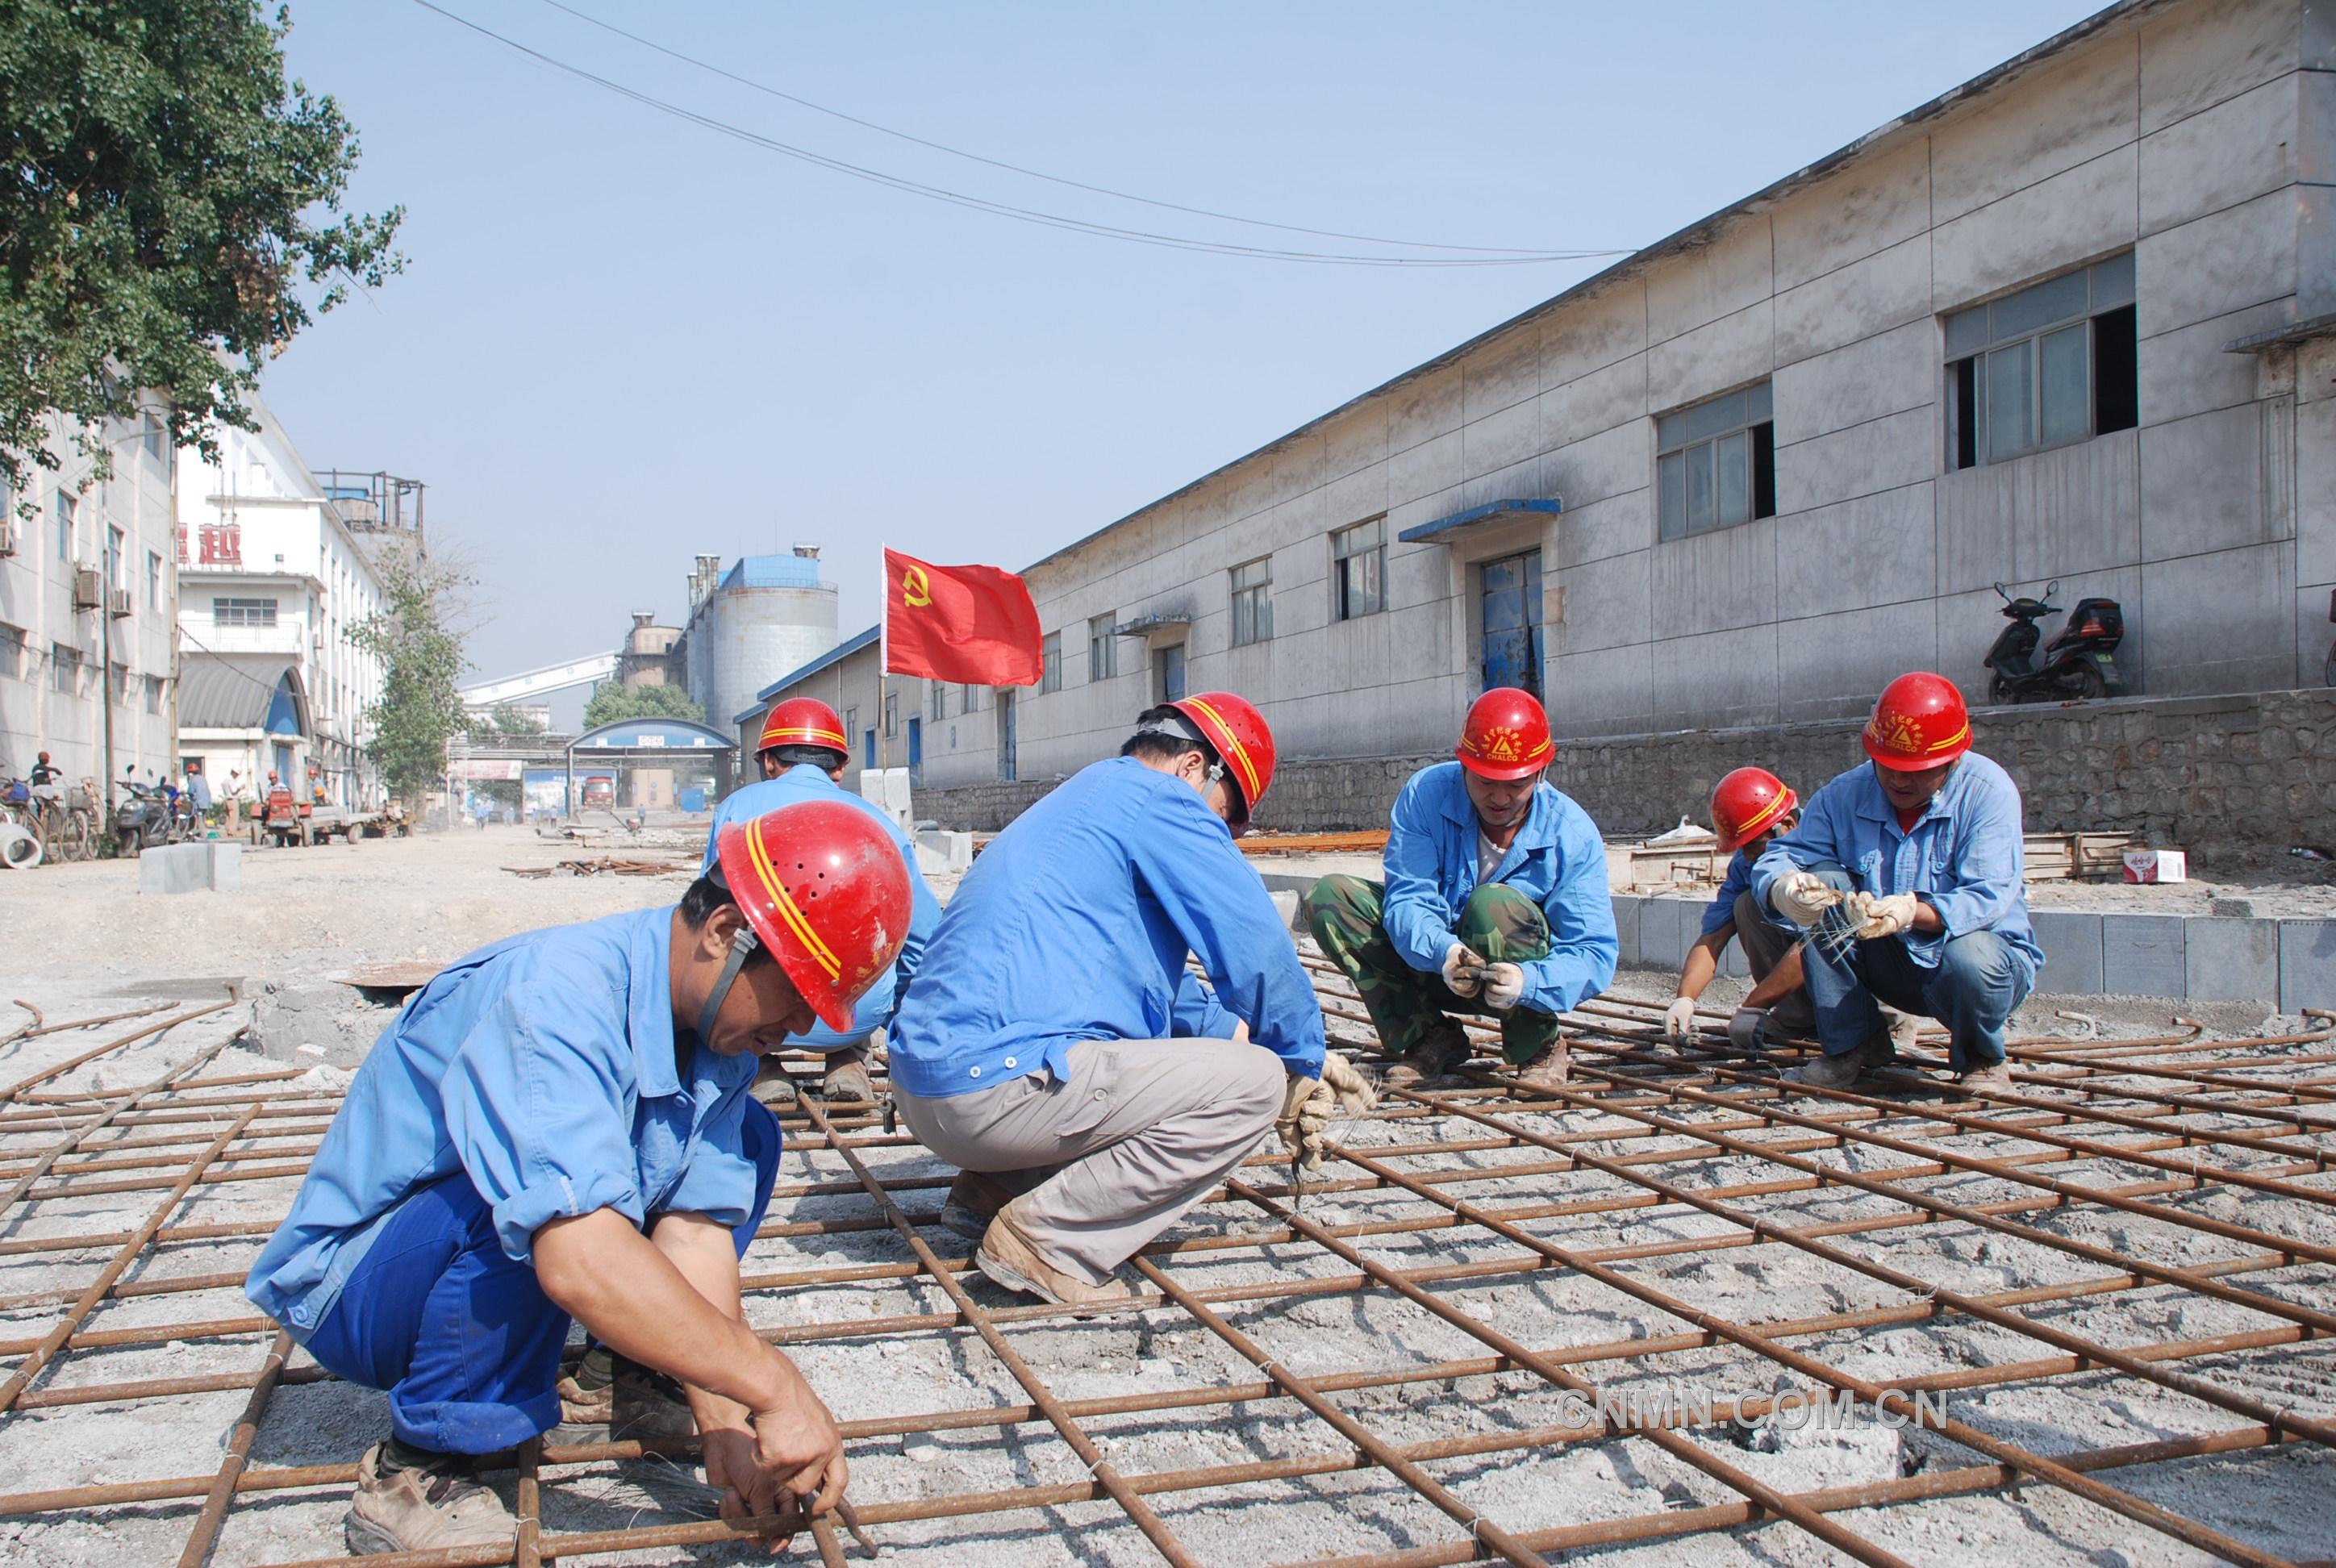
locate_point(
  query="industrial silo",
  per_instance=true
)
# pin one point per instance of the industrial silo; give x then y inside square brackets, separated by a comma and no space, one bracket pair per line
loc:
[748,626]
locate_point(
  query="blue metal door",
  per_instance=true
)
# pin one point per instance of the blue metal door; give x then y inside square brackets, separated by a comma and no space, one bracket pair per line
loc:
[1005,736]
[1513,641]
[916,745]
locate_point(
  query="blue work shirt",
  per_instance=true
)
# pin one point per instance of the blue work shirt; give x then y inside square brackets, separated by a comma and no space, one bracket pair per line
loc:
[1721,910]
[1557,859]
[1074,925]
[805,782]
[541,1067]
[1963,856]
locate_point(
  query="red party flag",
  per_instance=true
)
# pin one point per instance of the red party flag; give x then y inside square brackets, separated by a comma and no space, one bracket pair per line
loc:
[974,625]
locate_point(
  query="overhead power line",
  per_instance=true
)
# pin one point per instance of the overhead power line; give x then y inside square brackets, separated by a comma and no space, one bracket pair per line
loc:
[999,209]
[764,88]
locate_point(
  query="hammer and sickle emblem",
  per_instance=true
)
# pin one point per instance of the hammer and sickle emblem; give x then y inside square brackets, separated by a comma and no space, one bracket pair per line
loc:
[916,587]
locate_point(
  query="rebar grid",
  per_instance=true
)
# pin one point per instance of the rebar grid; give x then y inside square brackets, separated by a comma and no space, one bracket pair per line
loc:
[1624,1187]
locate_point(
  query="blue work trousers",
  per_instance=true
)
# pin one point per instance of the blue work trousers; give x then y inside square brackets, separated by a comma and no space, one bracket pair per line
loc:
[1980,981]
[461,1336]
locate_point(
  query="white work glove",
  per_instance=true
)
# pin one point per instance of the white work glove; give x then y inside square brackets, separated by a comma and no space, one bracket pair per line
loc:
[1881,916]
[1505,986]
[1308,1105]
[1459,971]
[1801,897]
[1678,1020]
[1746,1027]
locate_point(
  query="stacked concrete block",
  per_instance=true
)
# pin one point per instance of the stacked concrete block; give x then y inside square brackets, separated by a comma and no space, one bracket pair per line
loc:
[210,866]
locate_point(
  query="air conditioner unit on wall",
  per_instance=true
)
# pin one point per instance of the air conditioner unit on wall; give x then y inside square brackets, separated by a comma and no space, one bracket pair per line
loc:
[7,536]
[117,603]
[89,590]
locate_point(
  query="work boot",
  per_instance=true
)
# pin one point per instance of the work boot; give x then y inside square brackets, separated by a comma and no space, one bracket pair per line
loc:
[846,1078]
[1008,1257]
[612,1399]
[1905,1029]
[973,1201]
[771,1084]
[1989,1079]
[1438,1054]
[424,1507]
[1841,1071]
[1547,1069]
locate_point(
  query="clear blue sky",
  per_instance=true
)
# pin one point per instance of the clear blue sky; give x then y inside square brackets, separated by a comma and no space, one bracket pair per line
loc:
[624,340]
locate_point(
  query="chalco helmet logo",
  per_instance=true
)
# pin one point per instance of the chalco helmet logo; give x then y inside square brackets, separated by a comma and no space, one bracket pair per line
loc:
[1896,732]
[1503,744]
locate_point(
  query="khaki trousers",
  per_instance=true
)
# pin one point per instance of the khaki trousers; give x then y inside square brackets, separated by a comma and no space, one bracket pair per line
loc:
[1767,944]
[1114,1155]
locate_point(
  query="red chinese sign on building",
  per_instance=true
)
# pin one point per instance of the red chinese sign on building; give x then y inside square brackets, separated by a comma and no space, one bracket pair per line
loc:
[223,544]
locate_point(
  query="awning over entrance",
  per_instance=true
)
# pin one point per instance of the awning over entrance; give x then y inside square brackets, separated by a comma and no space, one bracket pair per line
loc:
[1492,511]
[260,691]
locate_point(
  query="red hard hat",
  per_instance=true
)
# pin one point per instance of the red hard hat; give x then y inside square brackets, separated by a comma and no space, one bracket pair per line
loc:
[823,888]
[1506,735]
[804,721]
[1919,722]
[1746,803]
[1233,726]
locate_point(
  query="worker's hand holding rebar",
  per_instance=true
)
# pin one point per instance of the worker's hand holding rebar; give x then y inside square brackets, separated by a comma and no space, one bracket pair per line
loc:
[1679,1020]
[1801,897]
[1461,964]
[1746,1028]
[1882,916]
[1352,1091]
[796,1443]
[1505,985]
[748,1491]
[1297,1108]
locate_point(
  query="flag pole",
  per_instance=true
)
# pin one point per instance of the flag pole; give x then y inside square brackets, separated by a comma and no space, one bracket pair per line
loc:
[883,652]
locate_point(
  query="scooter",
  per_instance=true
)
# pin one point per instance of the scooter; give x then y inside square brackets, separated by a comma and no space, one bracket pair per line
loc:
[141,819]
[2076,665]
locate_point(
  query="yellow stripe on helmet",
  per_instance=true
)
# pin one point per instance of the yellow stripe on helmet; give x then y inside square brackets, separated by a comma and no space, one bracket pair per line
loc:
[1230,746]
[797,732]
[789,911]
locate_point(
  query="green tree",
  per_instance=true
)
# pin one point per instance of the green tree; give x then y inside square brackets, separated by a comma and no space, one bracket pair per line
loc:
[421,705]
[612,701]
[171,216]
[508,722]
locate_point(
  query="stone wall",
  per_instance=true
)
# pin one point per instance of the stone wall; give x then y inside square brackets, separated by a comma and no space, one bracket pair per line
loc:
[2233,780]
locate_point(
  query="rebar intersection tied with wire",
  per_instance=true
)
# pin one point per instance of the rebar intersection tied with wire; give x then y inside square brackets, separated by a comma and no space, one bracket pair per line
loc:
[1507,1322]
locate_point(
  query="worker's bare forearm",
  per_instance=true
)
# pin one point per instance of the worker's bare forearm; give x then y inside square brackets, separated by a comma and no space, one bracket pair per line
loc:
[1783,981]
[704,1252]
[630,1295]
[1927,921]
[1703,960]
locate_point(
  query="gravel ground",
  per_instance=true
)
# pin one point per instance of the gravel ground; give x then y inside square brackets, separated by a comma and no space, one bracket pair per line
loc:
[437,897]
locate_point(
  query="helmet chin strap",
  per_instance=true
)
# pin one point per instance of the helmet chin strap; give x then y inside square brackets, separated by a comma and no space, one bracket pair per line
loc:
[741,947]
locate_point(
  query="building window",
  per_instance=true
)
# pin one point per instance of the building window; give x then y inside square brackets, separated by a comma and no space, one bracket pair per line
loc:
[153,693]
[243,612]
[1050,662]
[1358,569]
[64,670]
[891,713]
[1168,673]
[850,719]
[1103,649]
[156,436]
[941,701]
[969,697]
[153,580]
[12,652]
[122,685]
[1716,464]
[2047,366]
[1253,602]
[68,513]
[117,563]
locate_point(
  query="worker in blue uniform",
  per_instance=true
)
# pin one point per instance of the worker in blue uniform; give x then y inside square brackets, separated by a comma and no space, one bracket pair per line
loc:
[1054,1046]
[1907,872]
[560,1126]
[802,753]
[1495,903]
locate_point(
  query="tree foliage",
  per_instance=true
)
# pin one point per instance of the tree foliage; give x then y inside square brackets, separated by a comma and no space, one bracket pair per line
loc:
[421,705]
[171,216]
[612,701]
[508,722]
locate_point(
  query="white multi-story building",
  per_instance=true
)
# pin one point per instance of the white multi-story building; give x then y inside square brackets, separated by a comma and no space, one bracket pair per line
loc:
[271,582]
[85,602]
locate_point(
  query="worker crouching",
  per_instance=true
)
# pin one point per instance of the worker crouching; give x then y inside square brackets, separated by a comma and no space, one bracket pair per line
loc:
[1749,807]
[1495,903]
[1906,873]
[1054,1043]
[559,1126]
[802,753]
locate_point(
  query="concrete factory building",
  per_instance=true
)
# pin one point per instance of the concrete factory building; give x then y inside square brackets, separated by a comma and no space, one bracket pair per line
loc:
[2068,321]
[765,613]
